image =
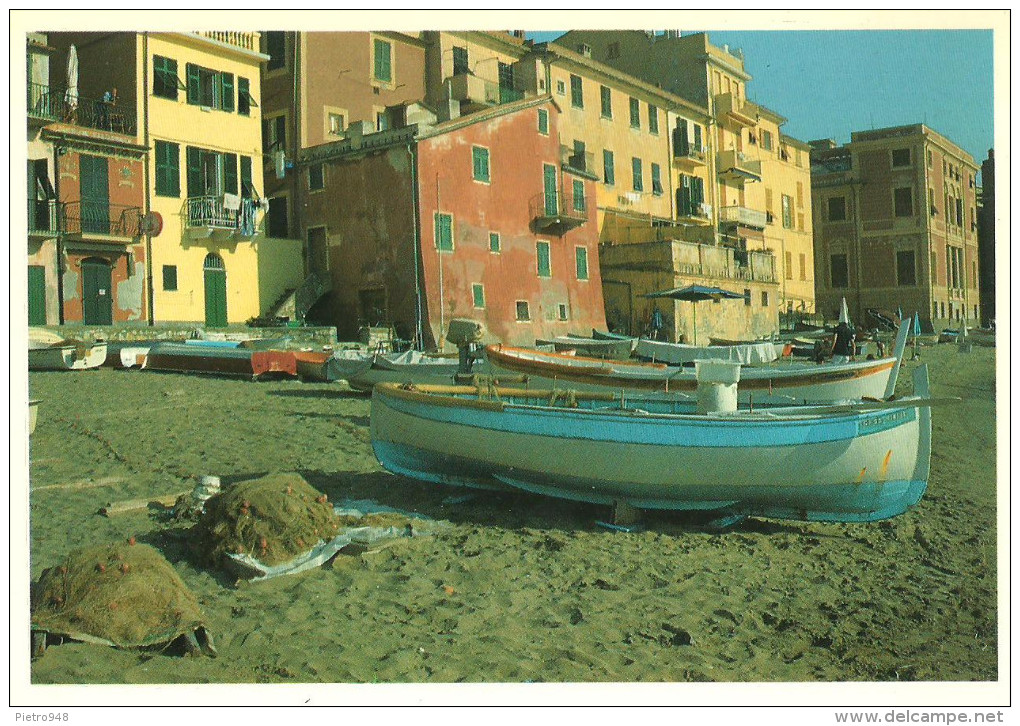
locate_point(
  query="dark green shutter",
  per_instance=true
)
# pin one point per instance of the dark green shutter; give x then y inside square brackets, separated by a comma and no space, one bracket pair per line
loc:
[230,173]
[543,121]
[227,91]
[684,194]
[194,84]
[196,182]
[168,169]
[247,188]
[36,295]
[608,173]
[551,202]
[382,61]
[243,96]
[697,137]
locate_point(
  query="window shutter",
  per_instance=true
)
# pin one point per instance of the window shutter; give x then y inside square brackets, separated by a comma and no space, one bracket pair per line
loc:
[196,185]
[194,84]
[227,91]
[247,188]
[230,173]
[685,195]
[697,191]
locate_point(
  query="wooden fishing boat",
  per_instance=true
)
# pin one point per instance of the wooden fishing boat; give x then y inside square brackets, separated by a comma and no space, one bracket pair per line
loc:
[616,348]
[127,354]
[680,354]
[66,355]
[363,370]
[850,463]
[33,415]
[316,366]
[244,362]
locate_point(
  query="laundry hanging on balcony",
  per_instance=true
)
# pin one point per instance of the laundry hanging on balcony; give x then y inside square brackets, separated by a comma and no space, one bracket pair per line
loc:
[246,217]
[231,202]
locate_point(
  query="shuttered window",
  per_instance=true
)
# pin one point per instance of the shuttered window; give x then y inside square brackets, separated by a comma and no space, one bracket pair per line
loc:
[165,82]
[543,122]
[383,60]
[444,232]
[168,169]
[544,264]
[608,172]
[581,260]
[480,163]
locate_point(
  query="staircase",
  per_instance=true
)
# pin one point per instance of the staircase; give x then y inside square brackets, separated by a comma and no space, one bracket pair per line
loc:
[295,303]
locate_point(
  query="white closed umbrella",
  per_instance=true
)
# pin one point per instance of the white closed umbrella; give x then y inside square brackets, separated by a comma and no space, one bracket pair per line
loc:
[844,313]
[71,94]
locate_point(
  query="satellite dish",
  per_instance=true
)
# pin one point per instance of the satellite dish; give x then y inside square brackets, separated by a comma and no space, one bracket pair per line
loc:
[152,224]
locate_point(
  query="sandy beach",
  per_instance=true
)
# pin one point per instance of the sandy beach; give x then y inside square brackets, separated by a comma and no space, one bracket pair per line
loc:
[516,588]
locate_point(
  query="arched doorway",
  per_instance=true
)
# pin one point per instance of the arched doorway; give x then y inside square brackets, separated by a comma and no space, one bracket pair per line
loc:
[96,291]
[215,291]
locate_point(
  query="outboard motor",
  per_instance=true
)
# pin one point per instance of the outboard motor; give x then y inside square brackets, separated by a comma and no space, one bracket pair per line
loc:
[467,335]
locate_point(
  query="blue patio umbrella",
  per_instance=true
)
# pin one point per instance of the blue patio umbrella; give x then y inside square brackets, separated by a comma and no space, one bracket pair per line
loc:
[695,294]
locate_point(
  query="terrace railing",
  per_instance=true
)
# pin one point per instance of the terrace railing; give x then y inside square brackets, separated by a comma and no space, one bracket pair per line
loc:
[100,218]
[53,103]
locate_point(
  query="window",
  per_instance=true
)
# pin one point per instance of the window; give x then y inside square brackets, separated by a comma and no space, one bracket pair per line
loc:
[278,225]
[543,122]
[579,160]
[766,140]
[653,119]
[764,298]
[316,177]
[444,232]
[168,169]
[929,159]
[544,265]
[561,88]
[903,202]
[578,195]
[210,173]
[169,278]
[959,212]
[383,66]
[276,46]
[635,164]
[900,157]
[274,133]
[803,266]
[607,101]
[800,221]
[747,296]
[460,61]
[787,211]
[800,195]
[839,271]
[210,89]
[523,314]
[165,82]
[494,242]
[247,188]
[581,262]
[382,121]
[837,209]
[789,265]
[245,101]
[576,92]
[478,295]
[905,274]
[635,113]
[608,173]
[337,124]
[563,311]
[480,163]
[690,196]
[656,180]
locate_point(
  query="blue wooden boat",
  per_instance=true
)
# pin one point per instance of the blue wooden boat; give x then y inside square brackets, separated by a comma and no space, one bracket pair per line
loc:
[852,462]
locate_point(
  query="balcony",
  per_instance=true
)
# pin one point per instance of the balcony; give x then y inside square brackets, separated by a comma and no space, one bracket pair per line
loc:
[100,222]
[247,41]
[736,167]
[558,212]
[49,103]
[730,108]
[209,217]
[743,216]
[476,93]
[577,160]
[688,156]
[42,217]
[700,213]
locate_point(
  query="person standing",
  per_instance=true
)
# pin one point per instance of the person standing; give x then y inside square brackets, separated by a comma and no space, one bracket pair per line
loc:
[108,101]
[843,344]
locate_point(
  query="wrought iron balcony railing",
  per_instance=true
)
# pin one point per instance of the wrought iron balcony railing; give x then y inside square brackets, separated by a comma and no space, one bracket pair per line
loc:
[559,211]
[57,104]
[86,218]
[210,212]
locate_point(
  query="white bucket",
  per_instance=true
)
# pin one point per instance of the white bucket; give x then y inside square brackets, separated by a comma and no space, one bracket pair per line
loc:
[717,385]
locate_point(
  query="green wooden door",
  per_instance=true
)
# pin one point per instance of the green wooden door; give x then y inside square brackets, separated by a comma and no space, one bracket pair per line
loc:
[551,201]
[95,194]
[215,292]
[36,295]
[97,292]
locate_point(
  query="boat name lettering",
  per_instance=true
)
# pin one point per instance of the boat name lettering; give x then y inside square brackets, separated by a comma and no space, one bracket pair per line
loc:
[884,419]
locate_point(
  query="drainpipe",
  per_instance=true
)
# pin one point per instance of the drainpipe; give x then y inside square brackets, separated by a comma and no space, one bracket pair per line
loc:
[439,252]
[418,331]
[150,291]
[58,209]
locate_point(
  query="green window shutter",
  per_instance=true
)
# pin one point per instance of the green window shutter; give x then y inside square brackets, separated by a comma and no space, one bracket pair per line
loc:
[582,263]
[543,122]
[168,169]
[578,195]
[478,295]
[635,113]
[383,65]
[480,162]
[227,92]
[607,101]
[247,188]
[194,84]
[494,241]
[230,173]
[653,119]
[697,191]
[243,97]
[544,268]
[576,92]
[196,184]
[164,82]
[608,172]
[636,171]
[444,232]
[697,137]
[656,180]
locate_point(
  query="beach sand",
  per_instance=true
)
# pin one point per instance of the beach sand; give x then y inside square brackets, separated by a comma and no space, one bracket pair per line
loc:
[517,588]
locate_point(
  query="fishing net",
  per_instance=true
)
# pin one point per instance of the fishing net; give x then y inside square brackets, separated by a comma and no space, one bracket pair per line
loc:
[273,519]
[116,594]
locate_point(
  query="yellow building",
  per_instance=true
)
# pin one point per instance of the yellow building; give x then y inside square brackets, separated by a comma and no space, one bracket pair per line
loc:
[196,97]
